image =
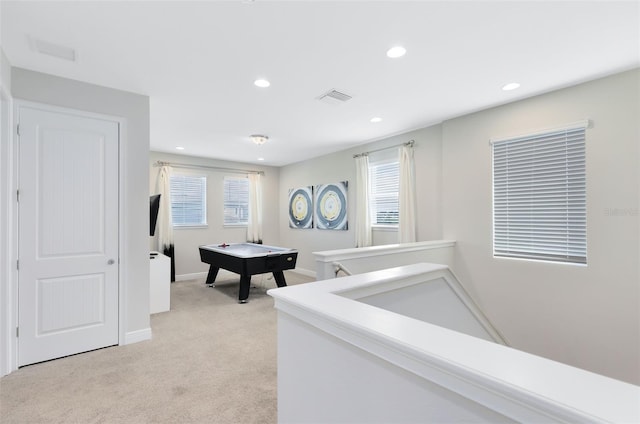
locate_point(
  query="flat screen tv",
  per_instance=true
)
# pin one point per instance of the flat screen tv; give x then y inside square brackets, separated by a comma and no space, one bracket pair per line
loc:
[154,206]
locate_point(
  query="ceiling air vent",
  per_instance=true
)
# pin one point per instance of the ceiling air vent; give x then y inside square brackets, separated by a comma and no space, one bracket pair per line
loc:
[334,97]
[51,49]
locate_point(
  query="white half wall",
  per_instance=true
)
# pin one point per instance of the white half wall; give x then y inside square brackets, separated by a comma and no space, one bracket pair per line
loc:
[342,359]
[586,316]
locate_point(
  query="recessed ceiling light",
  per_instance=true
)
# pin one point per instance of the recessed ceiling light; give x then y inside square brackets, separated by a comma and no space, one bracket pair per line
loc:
[179,148]
[260,159]
[262,83]
[376,119]
[397,51]
[510,86]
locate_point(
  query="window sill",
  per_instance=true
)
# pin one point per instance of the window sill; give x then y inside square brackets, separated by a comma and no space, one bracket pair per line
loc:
[235,225]
[389,228]
[190,227]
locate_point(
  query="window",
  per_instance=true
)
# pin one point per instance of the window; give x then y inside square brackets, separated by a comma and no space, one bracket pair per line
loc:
[384,181]
[539,196]
[188,200]
[236,201]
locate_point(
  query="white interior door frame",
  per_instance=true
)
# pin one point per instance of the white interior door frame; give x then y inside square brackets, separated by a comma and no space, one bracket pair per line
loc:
[8,232]
[10,342]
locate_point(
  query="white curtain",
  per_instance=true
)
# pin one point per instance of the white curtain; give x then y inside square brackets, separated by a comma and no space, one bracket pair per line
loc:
[407,196]
[164,223]
[165,228]
[254,229]
[363,220]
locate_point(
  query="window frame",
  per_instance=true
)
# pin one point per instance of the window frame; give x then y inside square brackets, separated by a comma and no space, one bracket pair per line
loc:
[203,223]
[539,196]
[224,202]
[373,200]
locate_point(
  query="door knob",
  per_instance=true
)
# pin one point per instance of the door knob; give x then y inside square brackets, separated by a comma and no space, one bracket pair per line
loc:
[111,262]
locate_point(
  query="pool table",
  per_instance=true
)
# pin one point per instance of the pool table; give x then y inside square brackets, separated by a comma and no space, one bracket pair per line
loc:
[247,259]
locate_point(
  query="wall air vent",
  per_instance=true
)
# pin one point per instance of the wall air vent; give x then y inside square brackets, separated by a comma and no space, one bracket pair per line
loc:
[334,97]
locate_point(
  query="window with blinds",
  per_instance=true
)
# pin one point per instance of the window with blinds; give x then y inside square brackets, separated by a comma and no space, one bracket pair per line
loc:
[236,201]
[384,183]
[188,200]
[539,196]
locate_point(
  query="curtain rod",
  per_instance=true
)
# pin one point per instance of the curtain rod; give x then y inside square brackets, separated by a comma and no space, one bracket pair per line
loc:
[409,143]
[217,168]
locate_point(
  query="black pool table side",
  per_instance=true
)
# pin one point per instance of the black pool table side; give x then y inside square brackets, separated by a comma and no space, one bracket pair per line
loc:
[274,262]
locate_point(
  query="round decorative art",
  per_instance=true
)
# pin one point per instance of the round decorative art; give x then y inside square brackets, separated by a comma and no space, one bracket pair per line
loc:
[300,208]
[331,206]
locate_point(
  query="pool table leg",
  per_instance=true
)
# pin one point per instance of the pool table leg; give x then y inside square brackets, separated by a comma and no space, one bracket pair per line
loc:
[279,276]
[211,276]
[245,284]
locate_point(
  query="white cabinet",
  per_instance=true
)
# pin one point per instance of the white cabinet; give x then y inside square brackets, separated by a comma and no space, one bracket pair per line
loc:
[160,282]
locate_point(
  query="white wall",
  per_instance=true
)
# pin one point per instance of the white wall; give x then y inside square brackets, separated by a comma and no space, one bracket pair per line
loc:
[586,316]
[43,88]
[323,379]
[344,359]
[341,167]
[187,240]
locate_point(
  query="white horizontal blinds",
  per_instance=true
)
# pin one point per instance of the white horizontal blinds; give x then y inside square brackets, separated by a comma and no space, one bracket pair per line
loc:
[540,196]
[188,200]
[236,201]
[384,182]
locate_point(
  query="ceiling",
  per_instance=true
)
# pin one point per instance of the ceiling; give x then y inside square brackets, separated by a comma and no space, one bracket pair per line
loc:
[197,62]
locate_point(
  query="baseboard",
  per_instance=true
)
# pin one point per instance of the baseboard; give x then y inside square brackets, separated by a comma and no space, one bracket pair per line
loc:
[222,273]
[137,336]
[306,272]
[193,276]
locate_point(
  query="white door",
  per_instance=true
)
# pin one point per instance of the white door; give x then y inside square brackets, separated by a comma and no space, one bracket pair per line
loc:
[68,234]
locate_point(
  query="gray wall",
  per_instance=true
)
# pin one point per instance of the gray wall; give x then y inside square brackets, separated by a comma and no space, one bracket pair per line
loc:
[5,71]
[586,316]
[341,167]
[48,89]
[187,240]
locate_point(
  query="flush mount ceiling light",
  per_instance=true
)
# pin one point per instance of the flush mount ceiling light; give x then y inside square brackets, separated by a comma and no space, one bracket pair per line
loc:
[179,148]
[510,86]
[262,83]
[375,119]
[259,139]
[397,51]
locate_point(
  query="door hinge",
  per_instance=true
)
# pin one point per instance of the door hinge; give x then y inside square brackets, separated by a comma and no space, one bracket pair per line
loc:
[17,331]
[18,129]
[18,196]
[18,264]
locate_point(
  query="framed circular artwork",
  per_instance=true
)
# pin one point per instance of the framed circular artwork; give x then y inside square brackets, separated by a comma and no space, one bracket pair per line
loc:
[301,207]
[331,206]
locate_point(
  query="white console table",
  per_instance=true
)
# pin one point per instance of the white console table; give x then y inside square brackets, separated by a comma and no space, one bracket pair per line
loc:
[160,282]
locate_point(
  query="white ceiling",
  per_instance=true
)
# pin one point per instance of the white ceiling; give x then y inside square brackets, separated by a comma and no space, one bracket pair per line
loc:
[197,62]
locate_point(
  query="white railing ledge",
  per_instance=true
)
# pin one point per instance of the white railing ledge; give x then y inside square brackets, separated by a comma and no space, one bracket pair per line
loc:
[518,385]
[362,252]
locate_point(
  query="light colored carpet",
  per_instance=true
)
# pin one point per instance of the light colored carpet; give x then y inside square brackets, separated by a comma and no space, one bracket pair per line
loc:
[211,360]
